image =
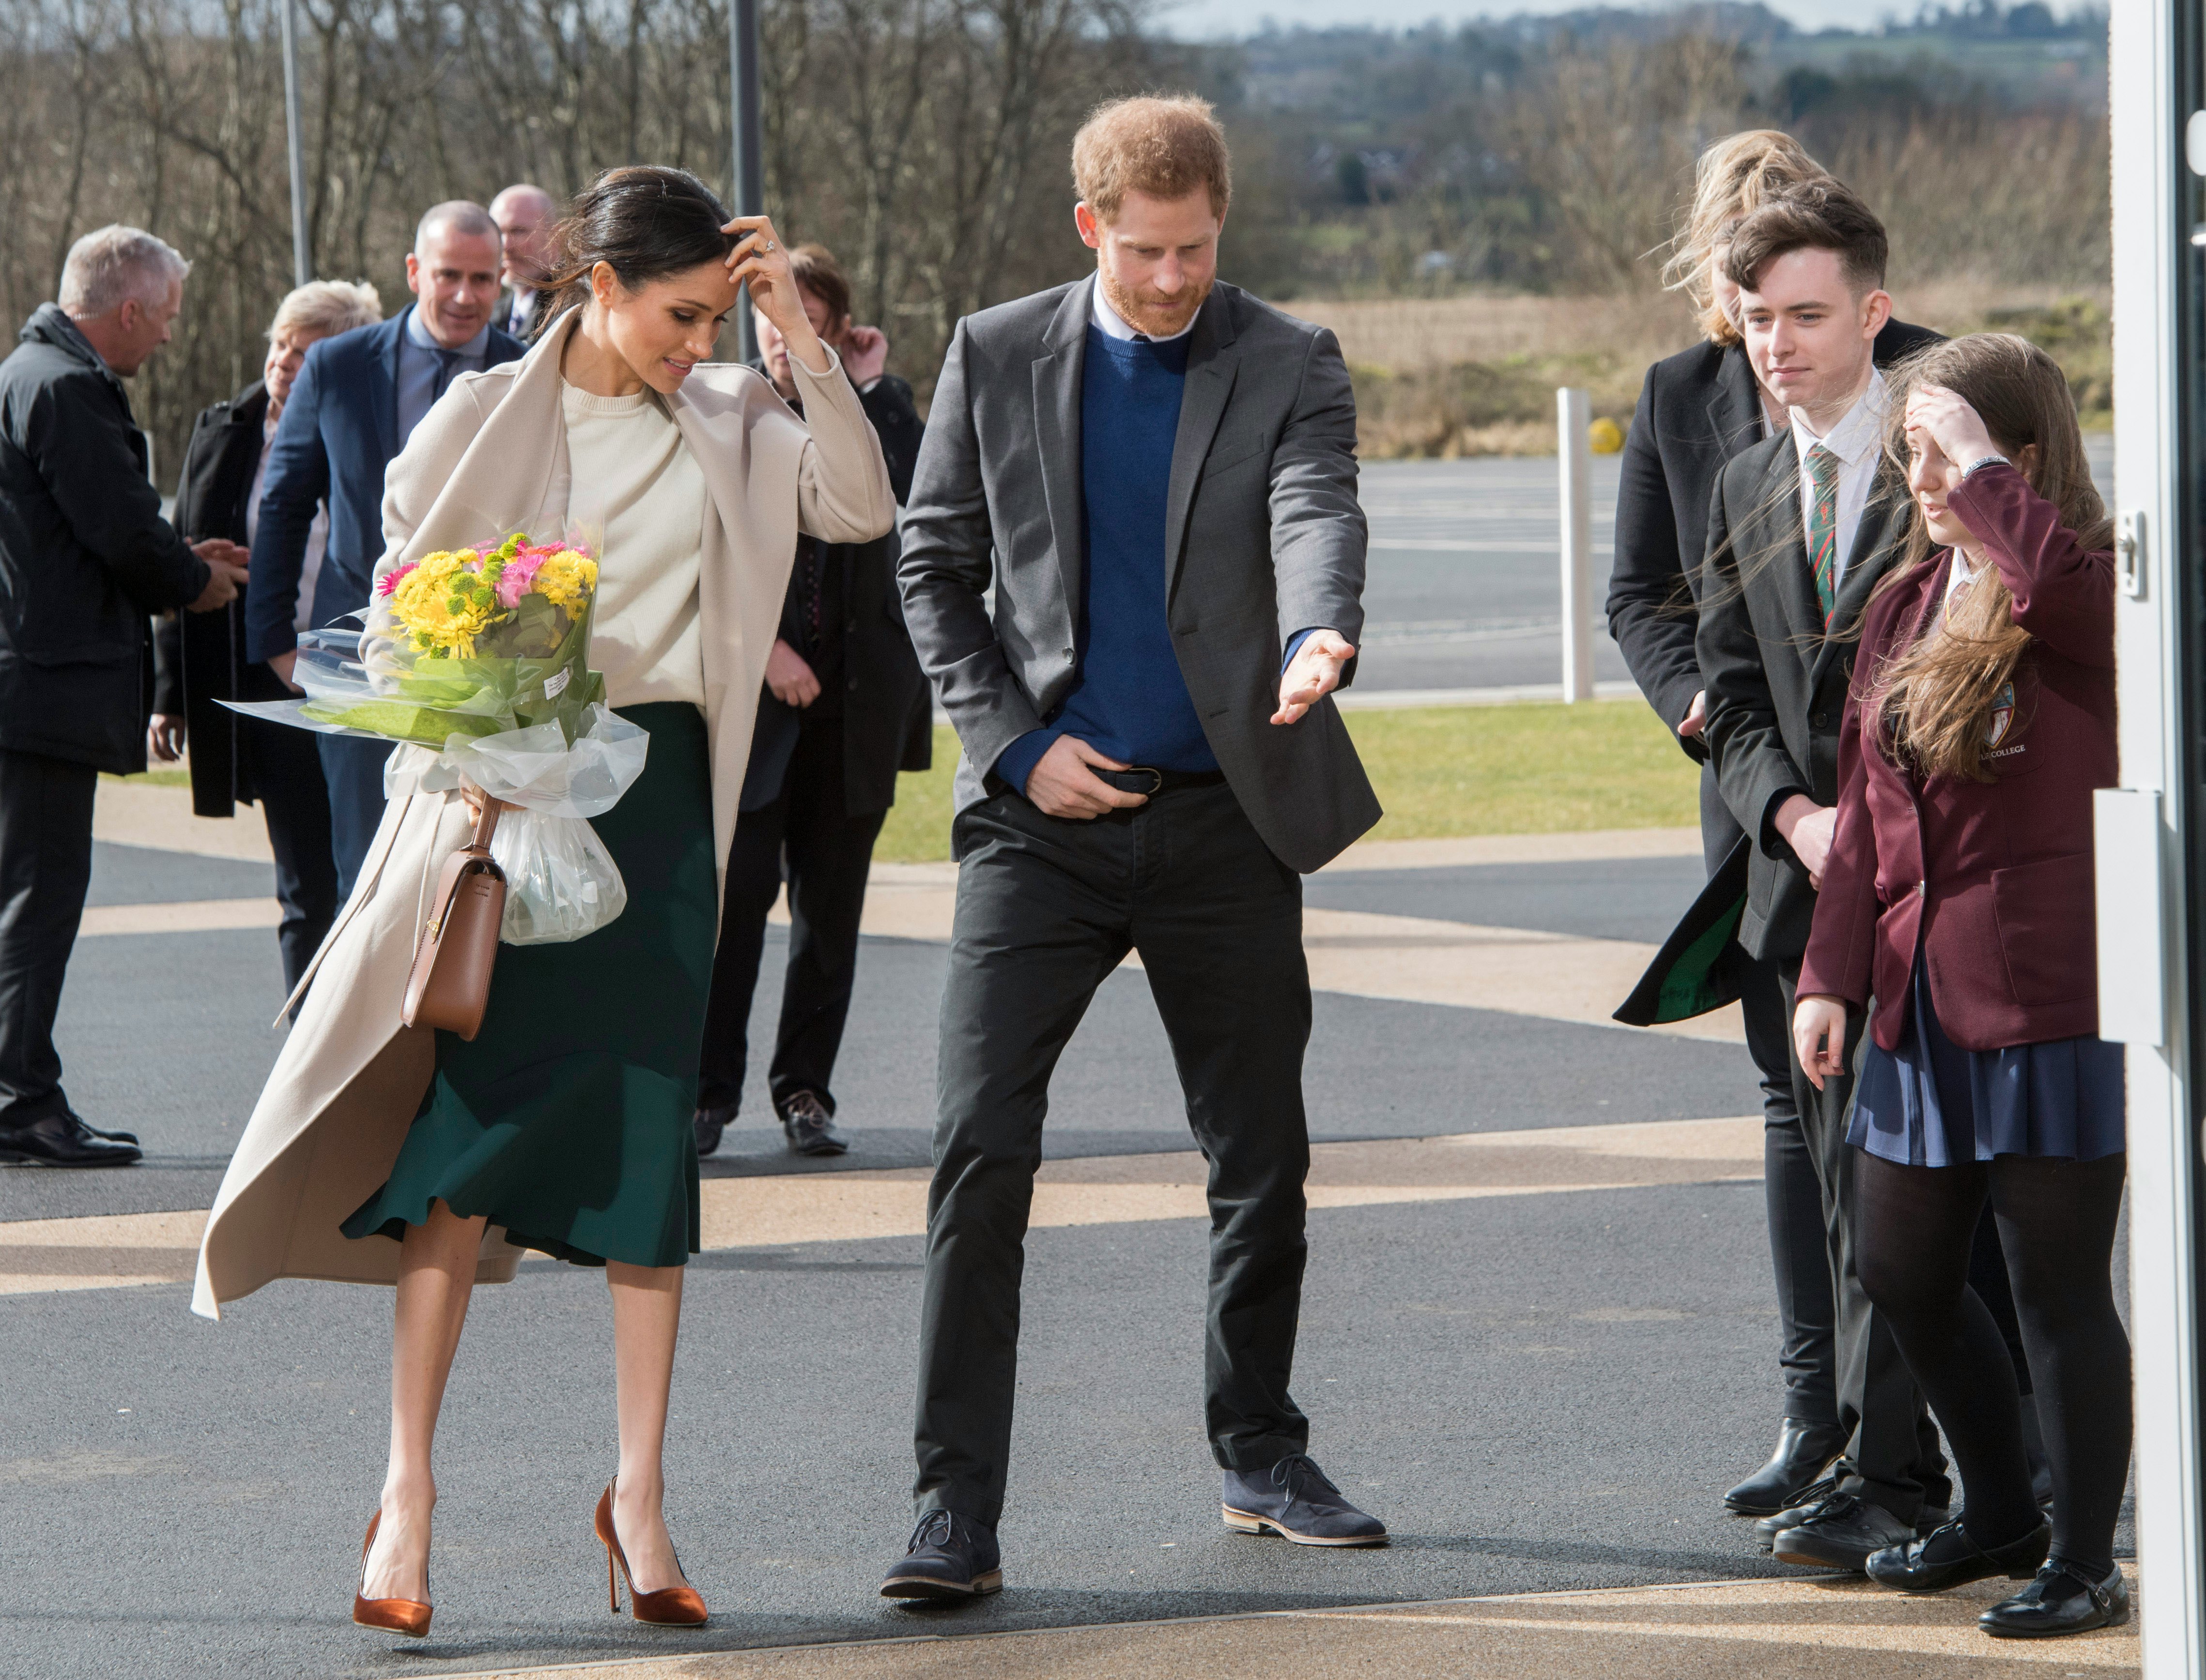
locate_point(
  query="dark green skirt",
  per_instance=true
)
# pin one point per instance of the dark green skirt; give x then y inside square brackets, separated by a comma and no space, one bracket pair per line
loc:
[568,1120]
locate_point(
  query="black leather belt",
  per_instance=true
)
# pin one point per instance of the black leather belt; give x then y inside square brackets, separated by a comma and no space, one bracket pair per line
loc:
[1141,779]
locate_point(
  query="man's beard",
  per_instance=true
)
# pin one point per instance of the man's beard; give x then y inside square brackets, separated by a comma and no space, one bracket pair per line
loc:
[1158,316]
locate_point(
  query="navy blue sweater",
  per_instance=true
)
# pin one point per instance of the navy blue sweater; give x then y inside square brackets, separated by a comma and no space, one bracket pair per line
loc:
[1131,701]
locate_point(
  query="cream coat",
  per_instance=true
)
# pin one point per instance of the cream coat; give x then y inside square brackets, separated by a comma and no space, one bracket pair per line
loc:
[491,457]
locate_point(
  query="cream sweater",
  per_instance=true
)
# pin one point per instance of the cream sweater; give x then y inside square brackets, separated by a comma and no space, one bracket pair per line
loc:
[639,492]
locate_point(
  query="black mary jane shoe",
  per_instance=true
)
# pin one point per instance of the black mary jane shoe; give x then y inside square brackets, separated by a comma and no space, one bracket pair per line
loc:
[1950,1558]
[1804,1452]
[2060,1600]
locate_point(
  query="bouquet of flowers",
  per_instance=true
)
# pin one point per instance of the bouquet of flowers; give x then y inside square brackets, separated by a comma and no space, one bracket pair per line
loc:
[479,658]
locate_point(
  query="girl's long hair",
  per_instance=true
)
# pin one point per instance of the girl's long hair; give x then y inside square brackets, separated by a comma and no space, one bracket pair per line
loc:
[646,220]
[1932,701]
[1734,177]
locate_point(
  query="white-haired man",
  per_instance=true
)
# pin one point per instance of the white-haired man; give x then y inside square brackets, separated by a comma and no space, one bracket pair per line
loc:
[85,558]
[355,401]
[528,227]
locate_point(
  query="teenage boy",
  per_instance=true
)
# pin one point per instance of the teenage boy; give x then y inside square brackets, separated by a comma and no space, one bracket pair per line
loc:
[1800,529]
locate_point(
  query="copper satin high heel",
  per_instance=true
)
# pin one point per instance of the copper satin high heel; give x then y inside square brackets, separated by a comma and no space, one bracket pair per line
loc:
[682,1606]
[398,1616]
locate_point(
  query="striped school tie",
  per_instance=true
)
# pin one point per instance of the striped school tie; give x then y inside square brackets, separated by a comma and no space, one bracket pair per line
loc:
[1823,528]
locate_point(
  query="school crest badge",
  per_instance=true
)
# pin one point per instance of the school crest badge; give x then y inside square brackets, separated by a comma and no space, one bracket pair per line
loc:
[2002,715]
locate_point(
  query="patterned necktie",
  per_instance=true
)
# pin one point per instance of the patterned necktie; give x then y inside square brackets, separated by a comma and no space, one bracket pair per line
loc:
[1823,528]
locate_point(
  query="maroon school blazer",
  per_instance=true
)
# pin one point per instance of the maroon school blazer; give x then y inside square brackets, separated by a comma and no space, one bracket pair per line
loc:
[1993,878]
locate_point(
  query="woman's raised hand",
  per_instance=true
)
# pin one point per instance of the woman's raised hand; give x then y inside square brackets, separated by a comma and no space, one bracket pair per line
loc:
[1944,431]
[761,261]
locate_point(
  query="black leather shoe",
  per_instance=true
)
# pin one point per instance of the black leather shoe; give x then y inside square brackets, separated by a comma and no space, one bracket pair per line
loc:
[1841,1534]
[112,1137]
[1930,1519]
[710,1124]
[1811,1500]
[62,1141]
[2059,1601]
[1950,1558]
[810,1127]
[951,1559]
[1804,1452]
[1295,1500]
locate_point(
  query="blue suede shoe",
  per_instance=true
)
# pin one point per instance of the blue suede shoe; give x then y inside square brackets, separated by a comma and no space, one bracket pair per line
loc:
[949,1558]
[1294,1500]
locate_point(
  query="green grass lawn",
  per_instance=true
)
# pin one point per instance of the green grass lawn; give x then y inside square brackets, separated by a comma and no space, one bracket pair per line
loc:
[1541,768]
[177,778]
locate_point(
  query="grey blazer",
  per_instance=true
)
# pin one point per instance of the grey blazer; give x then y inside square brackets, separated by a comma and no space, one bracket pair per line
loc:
[1263,537]
[1776,683]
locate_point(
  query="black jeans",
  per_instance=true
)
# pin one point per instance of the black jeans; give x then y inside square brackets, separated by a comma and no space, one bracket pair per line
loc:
[295,802]
[1045,910]
[1893,1457]
[46,869]
[827,855]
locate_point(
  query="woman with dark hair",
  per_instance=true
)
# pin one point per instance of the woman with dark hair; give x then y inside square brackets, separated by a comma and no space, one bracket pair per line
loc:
[1958,896]
[379,1154]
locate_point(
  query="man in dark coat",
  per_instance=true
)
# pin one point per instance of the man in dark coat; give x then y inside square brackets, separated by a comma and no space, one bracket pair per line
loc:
[85,557]
[845,709]
[1698,410]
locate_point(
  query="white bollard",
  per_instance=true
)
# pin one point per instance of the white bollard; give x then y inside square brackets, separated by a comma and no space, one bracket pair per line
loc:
[1574,459]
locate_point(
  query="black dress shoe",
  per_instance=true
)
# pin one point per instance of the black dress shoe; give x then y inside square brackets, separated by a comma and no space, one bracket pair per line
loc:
[112,1137]
[950,1558]
[1811,1497]
[1950,1558]
[1296,1501]
[810,1127]
[2061,1601]
[1842,1533]
[1804,1452]
[62,1141]
[710,1124]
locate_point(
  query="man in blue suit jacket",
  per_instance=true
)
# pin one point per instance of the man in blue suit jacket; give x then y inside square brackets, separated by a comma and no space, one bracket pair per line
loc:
[352,409]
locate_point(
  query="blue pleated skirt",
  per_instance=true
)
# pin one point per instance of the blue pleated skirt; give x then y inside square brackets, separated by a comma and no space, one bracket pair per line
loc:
[1931,1103]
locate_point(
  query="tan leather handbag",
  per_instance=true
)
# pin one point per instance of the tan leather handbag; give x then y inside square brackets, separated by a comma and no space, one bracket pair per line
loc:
[449,985]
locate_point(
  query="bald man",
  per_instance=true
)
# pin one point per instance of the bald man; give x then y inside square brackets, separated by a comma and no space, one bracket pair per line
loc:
[353,404]
[526,218]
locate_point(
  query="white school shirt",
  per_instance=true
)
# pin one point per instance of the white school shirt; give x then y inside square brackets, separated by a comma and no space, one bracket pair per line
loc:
[1856,440]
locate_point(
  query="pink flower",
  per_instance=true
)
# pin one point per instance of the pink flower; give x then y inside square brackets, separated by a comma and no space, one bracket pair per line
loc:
[389,581]
[520,574]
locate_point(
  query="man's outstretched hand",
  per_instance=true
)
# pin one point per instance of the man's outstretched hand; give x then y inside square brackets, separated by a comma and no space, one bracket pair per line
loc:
[1312,674]
[1062,784]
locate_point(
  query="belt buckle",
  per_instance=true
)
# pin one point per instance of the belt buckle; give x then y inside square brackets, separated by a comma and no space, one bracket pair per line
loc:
[1157,783]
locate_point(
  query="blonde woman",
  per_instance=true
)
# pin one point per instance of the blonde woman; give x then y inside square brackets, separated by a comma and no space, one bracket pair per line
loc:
[382,1154]
[1697,410]
[199,659]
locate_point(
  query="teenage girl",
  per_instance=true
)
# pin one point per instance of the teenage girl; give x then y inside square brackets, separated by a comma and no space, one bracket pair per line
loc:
[1959,901]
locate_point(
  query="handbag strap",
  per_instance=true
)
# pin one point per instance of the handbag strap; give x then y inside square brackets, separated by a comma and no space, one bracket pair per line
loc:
[485,825]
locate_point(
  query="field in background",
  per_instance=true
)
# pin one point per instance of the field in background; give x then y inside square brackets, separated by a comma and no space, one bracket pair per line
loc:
[1477,375]
[1528,769]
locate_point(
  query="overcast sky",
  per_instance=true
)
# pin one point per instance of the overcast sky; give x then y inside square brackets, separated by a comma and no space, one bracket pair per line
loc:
[1204,19]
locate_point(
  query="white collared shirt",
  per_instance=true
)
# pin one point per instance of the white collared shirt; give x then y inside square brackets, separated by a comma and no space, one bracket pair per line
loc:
[318,533]
[1114,324]
[1856,440]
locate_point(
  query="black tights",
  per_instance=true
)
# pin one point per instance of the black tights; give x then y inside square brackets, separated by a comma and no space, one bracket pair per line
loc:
[2056,1223]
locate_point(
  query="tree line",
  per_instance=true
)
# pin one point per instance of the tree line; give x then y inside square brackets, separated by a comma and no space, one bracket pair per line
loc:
[925,142]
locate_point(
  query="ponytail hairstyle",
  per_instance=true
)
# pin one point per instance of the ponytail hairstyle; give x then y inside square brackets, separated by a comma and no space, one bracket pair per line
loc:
[1932,701]
[645,221]
[1732,180]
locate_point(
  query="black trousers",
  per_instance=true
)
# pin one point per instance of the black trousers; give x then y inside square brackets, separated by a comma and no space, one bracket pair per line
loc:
[1792,1190]
[826,855]
[1045,910]
[1893,1457]
[46,869]
[295,802]
[353,767]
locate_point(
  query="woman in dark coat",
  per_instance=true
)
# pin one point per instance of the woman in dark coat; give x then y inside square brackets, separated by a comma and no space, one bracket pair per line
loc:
[1959,899]
[845,709]
[199,659]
